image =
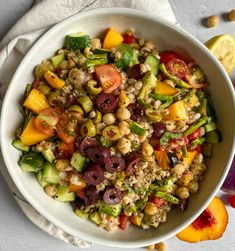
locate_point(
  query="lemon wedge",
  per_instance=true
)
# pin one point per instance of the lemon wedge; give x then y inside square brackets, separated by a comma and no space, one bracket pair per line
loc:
[223,47]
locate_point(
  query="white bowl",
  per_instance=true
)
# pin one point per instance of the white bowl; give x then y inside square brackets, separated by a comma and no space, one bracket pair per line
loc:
[166,36]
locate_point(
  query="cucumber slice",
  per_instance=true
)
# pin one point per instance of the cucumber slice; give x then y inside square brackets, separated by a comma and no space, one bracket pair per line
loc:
[135,57]
[78,161]
[161,97]
[32,162]
[63,194]
[57,60]
[18,144]
[153,62]
[41,181]
[51,174]
[210,127]
[48,155]
[213,137]
[113,210]
[93,62]
[81,214]
[101,51]
[126,55]
[77,41]
[95,217]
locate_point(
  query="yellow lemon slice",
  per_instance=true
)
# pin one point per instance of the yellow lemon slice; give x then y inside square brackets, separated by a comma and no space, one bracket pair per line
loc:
[223,47]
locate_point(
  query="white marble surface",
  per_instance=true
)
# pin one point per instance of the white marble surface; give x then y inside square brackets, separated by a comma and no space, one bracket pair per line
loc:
[17,233]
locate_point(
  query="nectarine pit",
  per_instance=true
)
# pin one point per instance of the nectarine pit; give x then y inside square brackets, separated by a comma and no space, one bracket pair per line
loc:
[205,219]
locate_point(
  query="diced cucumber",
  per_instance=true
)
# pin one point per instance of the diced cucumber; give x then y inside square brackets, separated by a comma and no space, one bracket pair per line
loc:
[167,185]
[78,161]
[41,181]
[48,155]
[213,137]
[28,89]
[97,56]
[113,210]
[64,195]
[82,214]
[95,217]
[77,41]
[57,60]
[203,107]
[126,55]
[161,97]
[198,141]
[135,57]
[93,62]
[18,144]
[32,162]
[168,197]
[101,51]
[207,150]
[137,129]
[51,174]
[153,62]
[210,127]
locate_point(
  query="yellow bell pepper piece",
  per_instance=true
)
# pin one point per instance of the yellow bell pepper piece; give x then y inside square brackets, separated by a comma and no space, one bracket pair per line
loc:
[165,89]
[136,220]
[112,39]
[193,101]
[36,101]
[123,100]
[31,135]
[177,111]
[53,80]
[187,161]
[162,159]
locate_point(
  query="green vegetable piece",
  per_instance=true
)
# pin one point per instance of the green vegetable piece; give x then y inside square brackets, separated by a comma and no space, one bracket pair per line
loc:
[165,104]
[93,62]
[101,51]
[167,136]
[213,137]
[167,185]
[210,127]
[76,108]
[203,107]
[81,214]
[137,129]
[145,104]
[111,132]
[211,112]
[88,129]
[185,151]
[44,88]
[28,89]
[135,57]
[113,210]
[48,155]
[53,98]
[198,141]
[32,162]
[126,55]
[51,174]
[168,197]
[149,82]
[63,194]
[201,94]
[105,142]
[78,161]
[41,181]
[57,60]
[189,96]
[153,62]
[98,117]
[153,115]
[86,103]
[97,56]
[41,69]
[177,80]
[161,97]
[18,144]
[77,41]
[92,88]
[196,125]
[207,150]
[95,217]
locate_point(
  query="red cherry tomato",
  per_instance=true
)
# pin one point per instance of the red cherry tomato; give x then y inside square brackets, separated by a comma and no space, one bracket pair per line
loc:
[231,200]
[194,135]
[67,127]
[108,76]
[123,221]
[65,151]
[176,67]
[128,39]
[166,56]
[158,201]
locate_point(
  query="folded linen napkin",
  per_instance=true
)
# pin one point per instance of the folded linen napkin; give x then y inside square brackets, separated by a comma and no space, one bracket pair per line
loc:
[17,42]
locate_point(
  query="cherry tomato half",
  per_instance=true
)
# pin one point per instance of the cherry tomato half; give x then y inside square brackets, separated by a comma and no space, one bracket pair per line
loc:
[129,39]
[65,151]
[123,221]
[194,135]
[166,56]
[176,67]
[108,76]
[158,201]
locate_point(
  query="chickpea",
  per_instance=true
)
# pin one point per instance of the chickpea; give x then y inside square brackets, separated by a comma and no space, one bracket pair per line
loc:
[212,21]
[51,190]
[149,45]
[150,208]
[161,246]
[124,145]
[109,118]
[231,15]
[193,187]
[185,179]
[147,149]
[62,164]
[151,247]
[178,170]
[123,127]
[123,113]
[182,192]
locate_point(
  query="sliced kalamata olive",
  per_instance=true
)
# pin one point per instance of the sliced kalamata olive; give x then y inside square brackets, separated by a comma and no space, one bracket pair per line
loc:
[78,203]
[136,110]
[173,159]
[86,143]
[98,154]
[92,196]
[106,102]
[132,160]
[135,72]
[94,175]
[158,129]
[112,196]
[114,164]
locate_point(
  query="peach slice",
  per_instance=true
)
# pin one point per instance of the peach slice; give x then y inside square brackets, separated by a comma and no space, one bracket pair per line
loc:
[210,225]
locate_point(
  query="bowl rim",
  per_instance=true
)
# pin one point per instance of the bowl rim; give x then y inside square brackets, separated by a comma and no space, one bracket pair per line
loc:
[26,194]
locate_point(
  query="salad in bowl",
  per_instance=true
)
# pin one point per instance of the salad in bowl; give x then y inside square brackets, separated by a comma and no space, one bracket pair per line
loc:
[118,129]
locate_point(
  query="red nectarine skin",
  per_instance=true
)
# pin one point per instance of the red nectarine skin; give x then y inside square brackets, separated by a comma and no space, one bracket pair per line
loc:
[205,219]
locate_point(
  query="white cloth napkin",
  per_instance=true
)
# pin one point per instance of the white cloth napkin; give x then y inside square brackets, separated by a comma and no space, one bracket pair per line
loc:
[21,37]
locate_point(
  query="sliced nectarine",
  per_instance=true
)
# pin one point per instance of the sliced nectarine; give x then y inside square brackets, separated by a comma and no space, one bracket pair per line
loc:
[210,225]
